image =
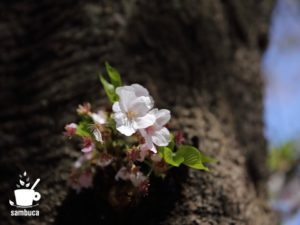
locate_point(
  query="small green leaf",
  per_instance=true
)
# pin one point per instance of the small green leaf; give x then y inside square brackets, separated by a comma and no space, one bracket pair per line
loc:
[109,90]
[199,166]
[114,75]
[192,157]
[190,154]
[170,157]
[83,130]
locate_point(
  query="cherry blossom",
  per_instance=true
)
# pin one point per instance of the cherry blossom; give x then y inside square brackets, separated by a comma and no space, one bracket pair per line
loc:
[156,134]
[84,109]
[131,112]
[123,142]
[99,119]
[87,145]
[70,129]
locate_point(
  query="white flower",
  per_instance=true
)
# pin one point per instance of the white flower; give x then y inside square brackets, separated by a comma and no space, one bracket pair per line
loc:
[157,134]
[132,111]
[99,119]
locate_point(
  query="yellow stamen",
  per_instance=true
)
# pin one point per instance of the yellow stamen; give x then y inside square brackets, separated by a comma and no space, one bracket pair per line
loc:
[131,114]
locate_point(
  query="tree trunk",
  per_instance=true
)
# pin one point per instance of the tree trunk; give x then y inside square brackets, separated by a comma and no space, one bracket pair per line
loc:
[199,58]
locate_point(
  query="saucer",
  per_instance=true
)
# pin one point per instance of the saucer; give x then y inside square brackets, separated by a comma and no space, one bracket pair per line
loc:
[25,207]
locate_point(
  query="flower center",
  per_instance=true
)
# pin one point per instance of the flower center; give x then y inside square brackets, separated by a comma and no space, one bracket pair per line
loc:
[131,114]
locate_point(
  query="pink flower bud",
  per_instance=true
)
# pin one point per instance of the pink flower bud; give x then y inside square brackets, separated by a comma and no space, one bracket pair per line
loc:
[87,145]
[84,109]
[179,139]
[70,129]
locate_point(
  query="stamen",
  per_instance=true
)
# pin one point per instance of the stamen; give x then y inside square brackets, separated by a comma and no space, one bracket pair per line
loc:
[131,115]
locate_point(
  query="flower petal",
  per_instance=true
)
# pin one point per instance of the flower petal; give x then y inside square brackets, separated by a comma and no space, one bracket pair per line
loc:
[148,142]
[123,124]
[127,130]
[161,137]
[87,149]
[139,90]
[120,118]
[144,151]
[97,134]
[126,98]
[70,129]
[143,122]
[140,106]
[162,117]
[119,90]
[116,107]
[99,117]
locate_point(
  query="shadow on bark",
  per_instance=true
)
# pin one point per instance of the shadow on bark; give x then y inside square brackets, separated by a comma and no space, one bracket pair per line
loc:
[88,207]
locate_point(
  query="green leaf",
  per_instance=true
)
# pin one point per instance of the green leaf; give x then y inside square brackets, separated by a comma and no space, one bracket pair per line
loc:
[170,157]
[83,129]
[109,90]
[114,75]
[206,159]
[199,166]
[192,157]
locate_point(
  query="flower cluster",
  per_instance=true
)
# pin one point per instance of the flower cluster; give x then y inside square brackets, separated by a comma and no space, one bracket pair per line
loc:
[130,138]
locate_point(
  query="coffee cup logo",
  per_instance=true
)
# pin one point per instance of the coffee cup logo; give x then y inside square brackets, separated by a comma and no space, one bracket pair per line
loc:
[25,195]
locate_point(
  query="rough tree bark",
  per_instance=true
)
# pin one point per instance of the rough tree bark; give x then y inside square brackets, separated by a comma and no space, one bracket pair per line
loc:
[198,58]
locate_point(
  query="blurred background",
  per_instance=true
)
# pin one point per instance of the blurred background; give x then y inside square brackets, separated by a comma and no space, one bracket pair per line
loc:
[281,71]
